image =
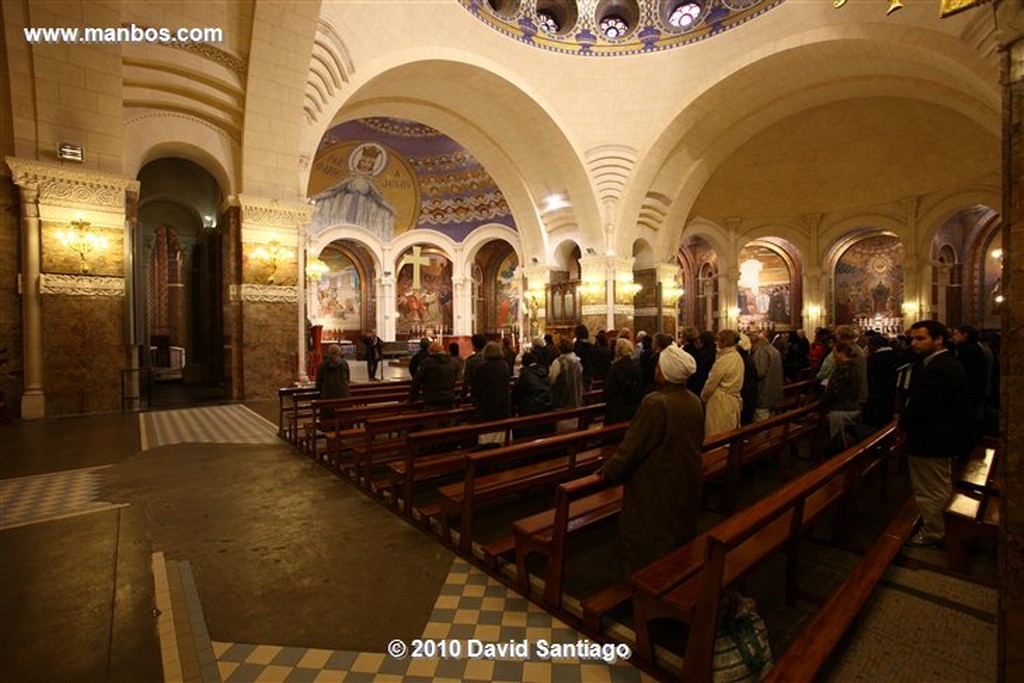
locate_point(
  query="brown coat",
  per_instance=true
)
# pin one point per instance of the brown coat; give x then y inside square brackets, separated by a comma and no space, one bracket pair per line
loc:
[659,463]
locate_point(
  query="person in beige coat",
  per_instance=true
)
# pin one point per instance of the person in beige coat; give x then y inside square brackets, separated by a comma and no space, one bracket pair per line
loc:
[721,393]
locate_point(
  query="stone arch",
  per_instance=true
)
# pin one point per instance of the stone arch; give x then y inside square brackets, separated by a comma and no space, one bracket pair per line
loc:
[159,135]
[487,233]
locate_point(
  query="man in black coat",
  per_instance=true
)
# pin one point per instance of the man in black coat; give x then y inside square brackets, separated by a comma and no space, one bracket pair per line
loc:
[374,349]
[934,419]
[435,379]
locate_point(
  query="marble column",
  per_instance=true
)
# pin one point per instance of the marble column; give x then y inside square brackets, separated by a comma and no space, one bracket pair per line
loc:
[33,401]
[1009,16]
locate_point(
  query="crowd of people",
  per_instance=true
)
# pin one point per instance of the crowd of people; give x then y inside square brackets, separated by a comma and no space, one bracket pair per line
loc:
[942,384]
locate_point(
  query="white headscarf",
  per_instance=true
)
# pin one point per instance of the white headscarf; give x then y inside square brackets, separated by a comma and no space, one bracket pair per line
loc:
[676,365]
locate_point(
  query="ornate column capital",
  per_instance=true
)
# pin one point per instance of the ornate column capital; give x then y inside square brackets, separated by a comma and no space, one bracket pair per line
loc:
[60,186]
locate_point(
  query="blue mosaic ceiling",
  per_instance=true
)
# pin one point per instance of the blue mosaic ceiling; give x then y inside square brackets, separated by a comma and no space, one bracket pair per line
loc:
[647,22]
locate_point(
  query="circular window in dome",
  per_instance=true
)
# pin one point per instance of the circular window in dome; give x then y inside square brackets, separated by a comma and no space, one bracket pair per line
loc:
[556,17]
[616,18]
[506,9]
[685,15]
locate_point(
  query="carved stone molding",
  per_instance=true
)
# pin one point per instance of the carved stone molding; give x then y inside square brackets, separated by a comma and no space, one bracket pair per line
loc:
[61,186]
[601,309]
[274,294]
[230,133]
[80,285]
[258,212]
[651,311]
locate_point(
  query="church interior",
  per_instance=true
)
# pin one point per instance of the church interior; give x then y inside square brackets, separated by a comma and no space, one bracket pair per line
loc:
[189,222]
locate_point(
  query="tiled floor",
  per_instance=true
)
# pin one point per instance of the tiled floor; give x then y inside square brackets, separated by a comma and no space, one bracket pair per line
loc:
[921,625]
[472,610]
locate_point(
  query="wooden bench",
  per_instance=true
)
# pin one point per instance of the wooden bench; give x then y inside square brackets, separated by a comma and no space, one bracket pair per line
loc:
[686,584]
[288,400]
[343,429]
[529,465]
[814,492]
[974,510]
[436,453]
[797,394]
[589,501]
[385,438]
[806,655]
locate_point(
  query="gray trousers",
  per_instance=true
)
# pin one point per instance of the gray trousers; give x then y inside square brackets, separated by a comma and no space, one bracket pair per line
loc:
[932,483]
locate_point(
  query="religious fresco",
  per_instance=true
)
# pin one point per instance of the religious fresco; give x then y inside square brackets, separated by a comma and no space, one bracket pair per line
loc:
[869,284]
[362,183]
[764,288]
[392,175]
[507,291]
[338,294]
[424,293]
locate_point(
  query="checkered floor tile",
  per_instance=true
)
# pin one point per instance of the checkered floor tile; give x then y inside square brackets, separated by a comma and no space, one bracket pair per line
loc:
[212,424]
[27,500]
[472,610]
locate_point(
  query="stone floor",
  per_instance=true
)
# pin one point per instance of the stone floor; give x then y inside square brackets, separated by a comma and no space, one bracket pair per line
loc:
[192,544]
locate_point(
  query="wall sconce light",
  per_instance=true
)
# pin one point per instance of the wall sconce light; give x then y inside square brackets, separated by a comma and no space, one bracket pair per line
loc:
[83,240]
[589,287]
[734,313]
[999,298]
[997,253]
[814,310]
[911,309]
[671,292]
[316,269]
[273,254]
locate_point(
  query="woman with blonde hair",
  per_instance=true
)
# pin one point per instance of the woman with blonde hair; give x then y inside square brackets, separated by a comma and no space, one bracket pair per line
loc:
[623,385]
[723,402]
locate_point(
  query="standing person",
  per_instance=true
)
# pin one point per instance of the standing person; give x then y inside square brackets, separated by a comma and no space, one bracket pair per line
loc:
[566,376]
[374,349]
[584,350]
[770,379]
[531,394]
[472,362]
[748,394]
[705,358]
[419,357]
[602,353]
[839,401]
[490,385]
[882,363]
[332,378]
[972,356]
[721,393]
[460,364]
[435,378]
[509,354]
[659,464]
[623,386]
[848,334]
[550,351]
[934,420]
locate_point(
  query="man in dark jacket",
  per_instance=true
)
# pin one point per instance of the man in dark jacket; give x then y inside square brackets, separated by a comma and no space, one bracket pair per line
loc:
[332,377]
[659,463]
[419,356]
[374,349]
[490,385]
[435,378]
[472,363]
[934,419]
[882,363]
[971,354]
[584,350]
[531,394]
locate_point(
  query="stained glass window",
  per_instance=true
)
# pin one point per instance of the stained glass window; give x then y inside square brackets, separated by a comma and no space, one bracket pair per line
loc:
[547,22]
[613,27]
[684,15]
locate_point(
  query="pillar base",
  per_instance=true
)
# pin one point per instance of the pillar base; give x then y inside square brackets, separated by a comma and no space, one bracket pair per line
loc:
[33,405]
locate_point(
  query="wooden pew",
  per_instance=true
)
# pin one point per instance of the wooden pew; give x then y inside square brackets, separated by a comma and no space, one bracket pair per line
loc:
[812,648]
[797,394]
[288,400]
[686,584]
[590,500]
[550,461]
[385,438]
[344,428]
[974,510]
[435,453]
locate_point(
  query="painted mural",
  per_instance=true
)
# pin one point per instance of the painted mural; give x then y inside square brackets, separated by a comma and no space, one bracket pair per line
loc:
[507,290]
[869,284]
[424,293]
[338,294]
[363,183]
[764,288]
[392,175]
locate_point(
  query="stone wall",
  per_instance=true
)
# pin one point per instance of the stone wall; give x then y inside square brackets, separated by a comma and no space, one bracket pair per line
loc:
[268,359]
[83,353]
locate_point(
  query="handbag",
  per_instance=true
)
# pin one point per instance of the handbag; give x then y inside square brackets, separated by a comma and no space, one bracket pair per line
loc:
[742,652]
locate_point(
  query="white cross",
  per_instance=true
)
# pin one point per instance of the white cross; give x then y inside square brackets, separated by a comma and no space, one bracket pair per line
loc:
[415,260]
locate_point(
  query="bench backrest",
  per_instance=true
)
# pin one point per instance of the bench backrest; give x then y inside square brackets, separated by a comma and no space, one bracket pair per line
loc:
[740,542]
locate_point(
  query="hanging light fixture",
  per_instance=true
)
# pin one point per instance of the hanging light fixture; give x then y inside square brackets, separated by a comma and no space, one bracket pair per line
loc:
[82,239]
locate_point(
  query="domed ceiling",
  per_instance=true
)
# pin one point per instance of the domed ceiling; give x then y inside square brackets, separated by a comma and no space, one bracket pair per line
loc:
[614,27]
[391,175]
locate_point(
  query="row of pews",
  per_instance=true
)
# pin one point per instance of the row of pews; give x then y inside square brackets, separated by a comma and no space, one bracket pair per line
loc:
[443,471]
